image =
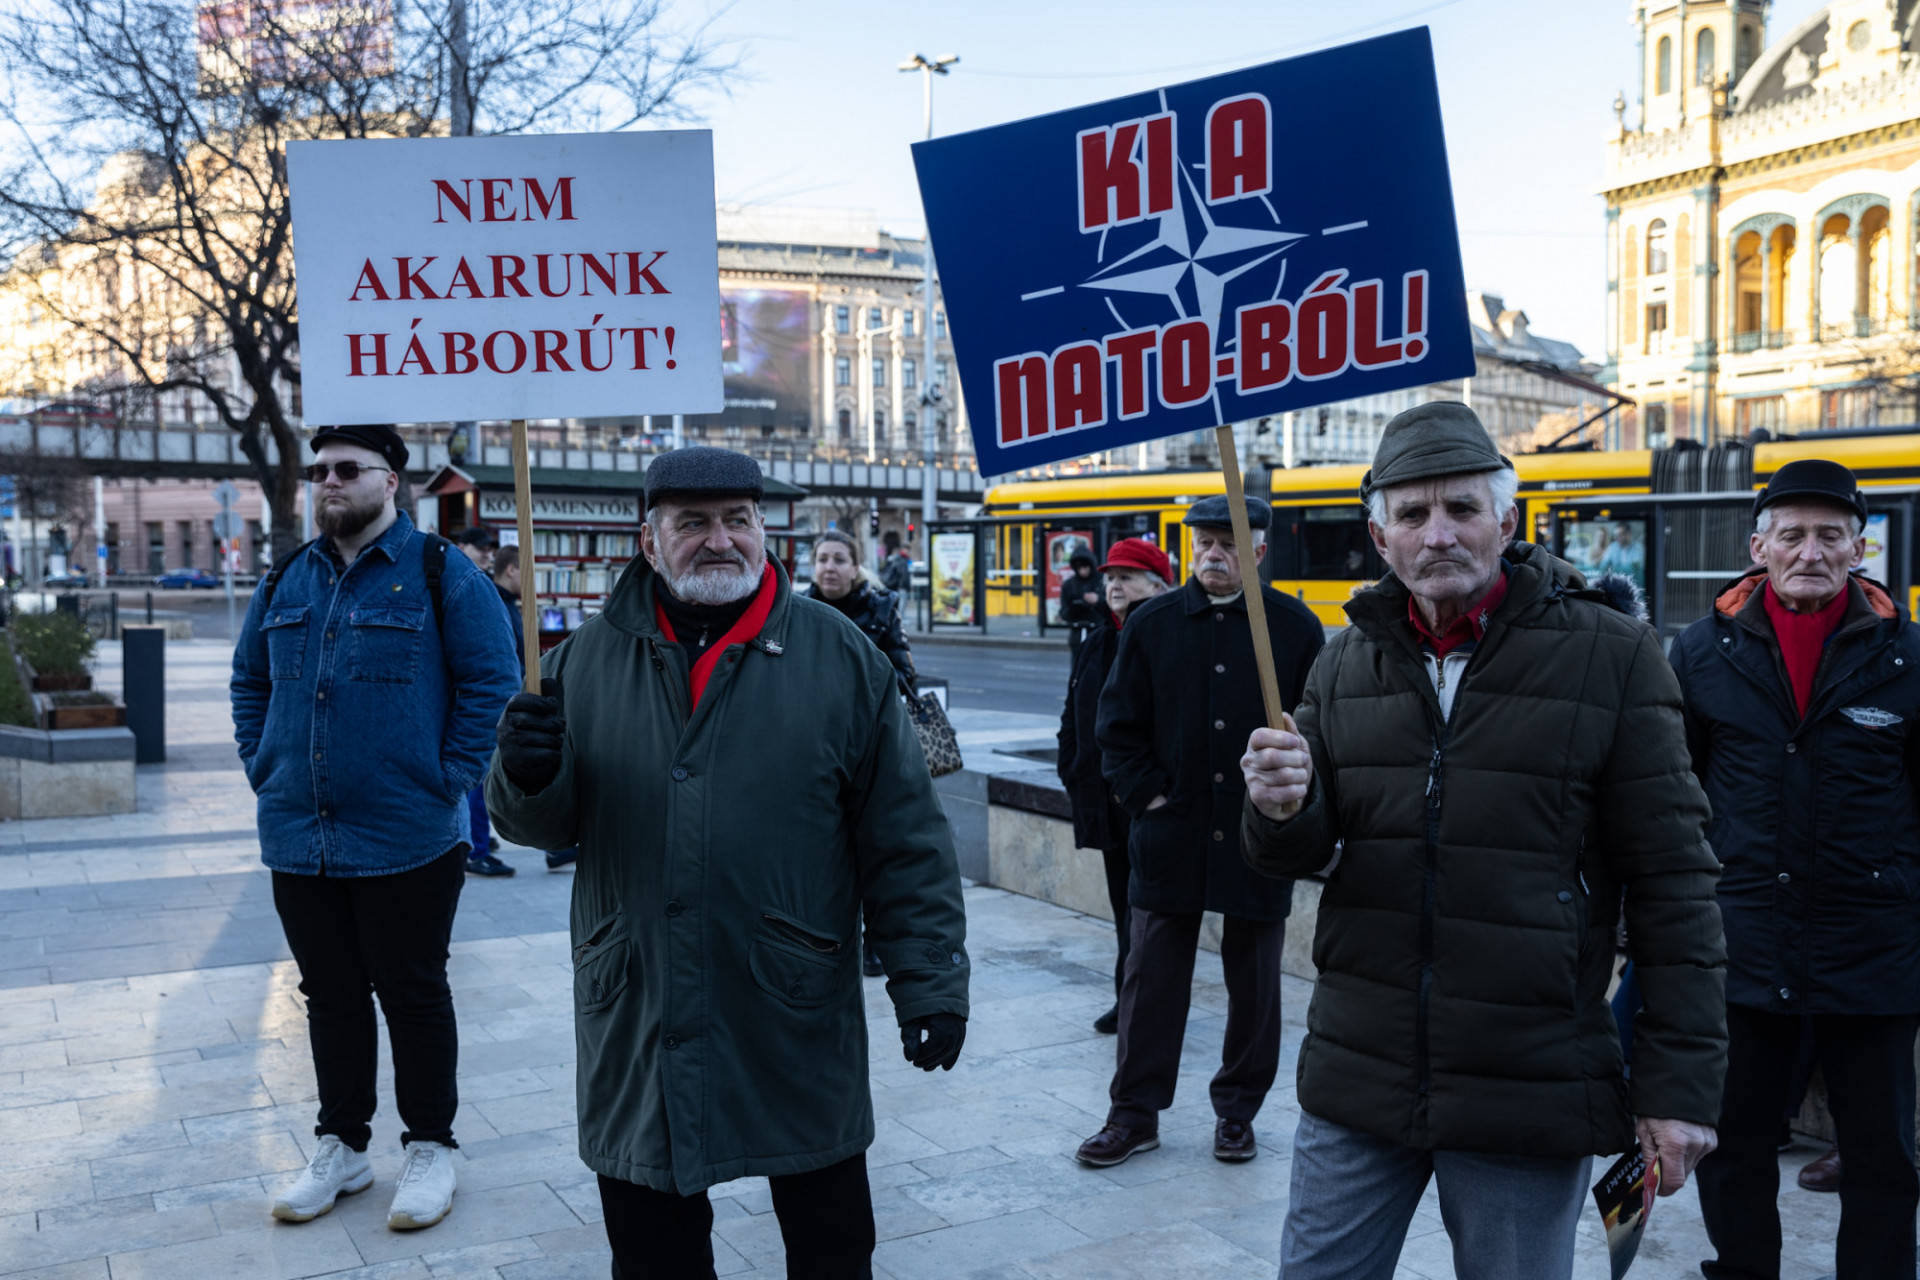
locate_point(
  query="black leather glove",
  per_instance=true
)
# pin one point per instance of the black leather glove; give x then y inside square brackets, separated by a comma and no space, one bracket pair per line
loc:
[529,735]
[944,1034]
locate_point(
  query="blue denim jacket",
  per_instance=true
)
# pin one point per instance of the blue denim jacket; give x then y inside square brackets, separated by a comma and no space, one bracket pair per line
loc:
[361,724]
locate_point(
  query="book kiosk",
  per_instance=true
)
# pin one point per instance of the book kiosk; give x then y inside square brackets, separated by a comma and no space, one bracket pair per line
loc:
[586,527]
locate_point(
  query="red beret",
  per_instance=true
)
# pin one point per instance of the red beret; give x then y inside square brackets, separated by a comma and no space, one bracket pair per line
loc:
[1138,553]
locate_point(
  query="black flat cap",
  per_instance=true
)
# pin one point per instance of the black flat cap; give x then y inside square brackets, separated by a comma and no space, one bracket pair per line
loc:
[1813,480]
[1440,438]
[377,436]
[476,536]
[1215,513]
[701,471]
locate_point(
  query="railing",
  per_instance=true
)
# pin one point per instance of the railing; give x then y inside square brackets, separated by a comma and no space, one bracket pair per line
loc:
[1759,339]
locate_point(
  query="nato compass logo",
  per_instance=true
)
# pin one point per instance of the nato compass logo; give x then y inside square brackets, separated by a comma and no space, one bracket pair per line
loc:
[1190,260]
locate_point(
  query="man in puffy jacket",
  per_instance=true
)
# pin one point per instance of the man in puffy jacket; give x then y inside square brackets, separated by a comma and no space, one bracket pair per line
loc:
[1483,763]
[737,767]
[1802,693]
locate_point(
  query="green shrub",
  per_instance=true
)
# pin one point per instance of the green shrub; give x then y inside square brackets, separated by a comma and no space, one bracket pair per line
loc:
[57,644]
[15,706]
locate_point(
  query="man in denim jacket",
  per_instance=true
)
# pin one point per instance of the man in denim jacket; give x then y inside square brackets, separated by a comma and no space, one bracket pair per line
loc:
[365,709]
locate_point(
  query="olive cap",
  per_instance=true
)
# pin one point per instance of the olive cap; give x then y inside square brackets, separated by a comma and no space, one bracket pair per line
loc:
[1441,438]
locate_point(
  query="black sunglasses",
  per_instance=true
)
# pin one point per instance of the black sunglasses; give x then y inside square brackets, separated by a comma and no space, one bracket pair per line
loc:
[347,471]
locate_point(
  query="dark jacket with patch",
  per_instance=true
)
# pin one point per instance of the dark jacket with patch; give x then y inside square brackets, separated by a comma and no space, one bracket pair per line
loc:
[1465,938]
[1098,820]
[726,852]
[1817,819]
[1178,707]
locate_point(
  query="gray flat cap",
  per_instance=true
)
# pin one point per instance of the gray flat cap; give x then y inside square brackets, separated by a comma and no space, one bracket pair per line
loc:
[1215,513]
[1443,438]
[701,471]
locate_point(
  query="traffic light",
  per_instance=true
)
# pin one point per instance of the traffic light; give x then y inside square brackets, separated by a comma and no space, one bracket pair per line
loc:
[873,524]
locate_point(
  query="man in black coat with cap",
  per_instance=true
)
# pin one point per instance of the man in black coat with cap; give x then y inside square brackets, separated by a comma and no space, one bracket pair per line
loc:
[1182,697]
[1802,693]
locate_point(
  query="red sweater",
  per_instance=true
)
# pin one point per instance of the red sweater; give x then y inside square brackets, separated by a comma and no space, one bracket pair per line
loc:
[1803,638]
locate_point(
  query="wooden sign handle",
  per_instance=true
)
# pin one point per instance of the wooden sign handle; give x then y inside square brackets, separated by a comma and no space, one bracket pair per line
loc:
[523,514]
[1250,576]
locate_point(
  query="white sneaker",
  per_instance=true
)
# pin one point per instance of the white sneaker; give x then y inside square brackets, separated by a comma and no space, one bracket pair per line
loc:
[335,1170]
[426,1187]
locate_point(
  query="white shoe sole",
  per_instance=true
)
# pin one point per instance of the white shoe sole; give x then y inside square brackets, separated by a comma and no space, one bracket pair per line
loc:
[287,1213]
[407,1222]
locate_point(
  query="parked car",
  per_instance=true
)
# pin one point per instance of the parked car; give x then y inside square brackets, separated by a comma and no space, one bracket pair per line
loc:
[181,579]
[66,578]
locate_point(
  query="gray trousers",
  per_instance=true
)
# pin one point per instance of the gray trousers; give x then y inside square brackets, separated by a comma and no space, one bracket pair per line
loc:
[1155,995]
[1353,1195]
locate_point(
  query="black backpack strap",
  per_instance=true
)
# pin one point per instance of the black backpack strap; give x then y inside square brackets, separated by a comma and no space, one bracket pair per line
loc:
[271,583]
[434,562]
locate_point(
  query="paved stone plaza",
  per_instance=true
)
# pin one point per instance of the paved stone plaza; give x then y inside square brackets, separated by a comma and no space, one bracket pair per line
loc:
[155,1083]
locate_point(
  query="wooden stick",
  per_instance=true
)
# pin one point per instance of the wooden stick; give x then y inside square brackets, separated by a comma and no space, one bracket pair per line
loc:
[523,513]
[1250,576]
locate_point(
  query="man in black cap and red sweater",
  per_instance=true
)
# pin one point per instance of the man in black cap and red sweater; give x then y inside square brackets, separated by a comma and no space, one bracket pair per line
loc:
[1802,692]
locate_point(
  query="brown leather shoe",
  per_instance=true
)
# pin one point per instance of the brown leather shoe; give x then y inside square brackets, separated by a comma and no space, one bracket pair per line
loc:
[1113,1144]
[1233,1140]
[1823,1174]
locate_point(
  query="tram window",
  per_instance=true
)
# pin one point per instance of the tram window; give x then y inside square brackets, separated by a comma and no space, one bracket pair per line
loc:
[1333,543]
[1606,545]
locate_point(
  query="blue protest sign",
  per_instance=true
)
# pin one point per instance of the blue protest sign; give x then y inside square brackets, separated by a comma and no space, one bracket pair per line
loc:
[1265,240]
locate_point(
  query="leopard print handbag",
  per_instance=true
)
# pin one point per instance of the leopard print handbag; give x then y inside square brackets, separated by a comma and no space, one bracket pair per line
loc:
[935,731]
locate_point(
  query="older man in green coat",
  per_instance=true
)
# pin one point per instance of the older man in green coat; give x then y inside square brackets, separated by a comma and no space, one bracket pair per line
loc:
[740,774]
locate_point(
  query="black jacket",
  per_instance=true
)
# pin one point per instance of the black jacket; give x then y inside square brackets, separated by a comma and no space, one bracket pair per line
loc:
[1816,820]
[512,602]
[1178,707]
[1076,612]
[1098,820]
[876,611]
[897,574]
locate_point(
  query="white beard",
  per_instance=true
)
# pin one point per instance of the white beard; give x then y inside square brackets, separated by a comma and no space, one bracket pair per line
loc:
[696,587]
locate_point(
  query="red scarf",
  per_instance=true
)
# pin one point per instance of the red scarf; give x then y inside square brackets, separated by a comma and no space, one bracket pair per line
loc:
[745,629]
[1803,638]
[1471,625]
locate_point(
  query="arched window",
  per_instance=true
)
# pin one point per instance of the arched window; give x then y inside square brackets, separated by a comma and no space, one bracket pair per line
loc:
[1663,65]
[1657,247]
[1743,54]
[1703,57]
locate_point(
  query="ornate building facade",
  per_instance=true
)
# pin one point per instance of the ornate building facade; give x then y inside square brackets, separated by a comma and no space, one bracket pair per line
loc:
[1762,267]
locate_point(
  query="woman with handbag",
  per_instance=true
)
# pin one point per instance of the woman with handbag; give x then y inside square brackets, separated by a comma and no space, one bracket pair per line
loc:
[839,581]
[1135,570]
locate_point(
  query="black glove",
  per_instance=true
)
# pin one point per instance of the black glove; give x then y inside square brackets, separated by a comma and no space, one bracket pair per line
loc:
[529,735]
[944,1032]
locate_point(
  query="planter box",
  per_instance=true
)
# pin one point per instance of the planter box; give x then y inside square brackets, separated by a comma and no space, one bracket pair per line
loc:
[69,774]
[60,684]
[97,715]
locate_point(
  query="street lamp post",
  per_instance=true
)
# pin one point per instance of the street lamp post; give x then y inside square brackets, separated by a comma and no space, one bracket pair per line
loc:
[931,393]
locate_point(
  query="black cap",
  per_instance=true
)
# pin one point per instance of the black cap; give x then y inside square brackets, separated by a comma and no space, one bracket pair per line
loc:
[1215,513]
[702,471]
[377,436]
[477,536]
[1813,480]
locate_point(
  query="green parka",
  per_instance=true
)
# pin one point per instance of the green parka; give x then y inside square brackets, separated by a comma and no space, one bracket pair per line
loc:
[1466,937]
[724,859]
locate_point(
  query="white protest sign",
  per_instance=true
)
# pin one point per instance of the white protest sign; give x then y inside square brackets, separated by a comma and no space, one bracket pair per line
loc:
[568,275]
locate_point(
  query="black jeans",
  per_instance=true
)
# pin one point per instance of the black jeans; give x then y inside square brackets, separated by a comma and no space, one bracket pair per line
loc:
[826,1220]
[1119,869]
[1154,1000]
[1868,1064]
[357,936]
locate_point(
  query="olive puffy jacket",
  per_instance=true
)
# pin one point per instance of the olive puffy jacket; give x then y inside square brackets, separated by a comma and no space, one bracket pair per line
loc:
[1465,938]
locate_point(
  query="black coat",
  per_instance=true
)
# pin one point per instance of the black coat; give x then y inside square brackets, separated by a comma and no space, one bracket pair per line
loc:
[1816,820]
[1178,707]
[1075,611]
[876,611]
[1098,820]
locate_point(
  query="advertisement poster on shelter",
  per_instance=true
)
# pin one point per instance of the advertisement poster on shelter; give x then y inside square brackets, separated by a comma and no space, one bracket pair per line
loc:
[953,597]
[1061,548]
[1206,253]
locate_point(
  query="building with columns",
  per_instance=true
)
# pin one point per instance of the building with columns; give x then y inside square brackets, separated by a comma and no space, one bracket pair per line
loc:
[1761,216]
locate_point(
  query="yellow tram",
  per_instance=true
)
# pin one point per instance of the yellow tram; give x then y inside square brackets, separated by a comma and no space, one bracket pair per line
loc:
[1675,519]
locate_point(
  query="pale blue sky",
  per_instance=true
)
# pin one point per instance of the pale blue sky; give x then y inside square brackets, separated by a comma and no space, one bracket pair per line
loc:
[1526,86]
